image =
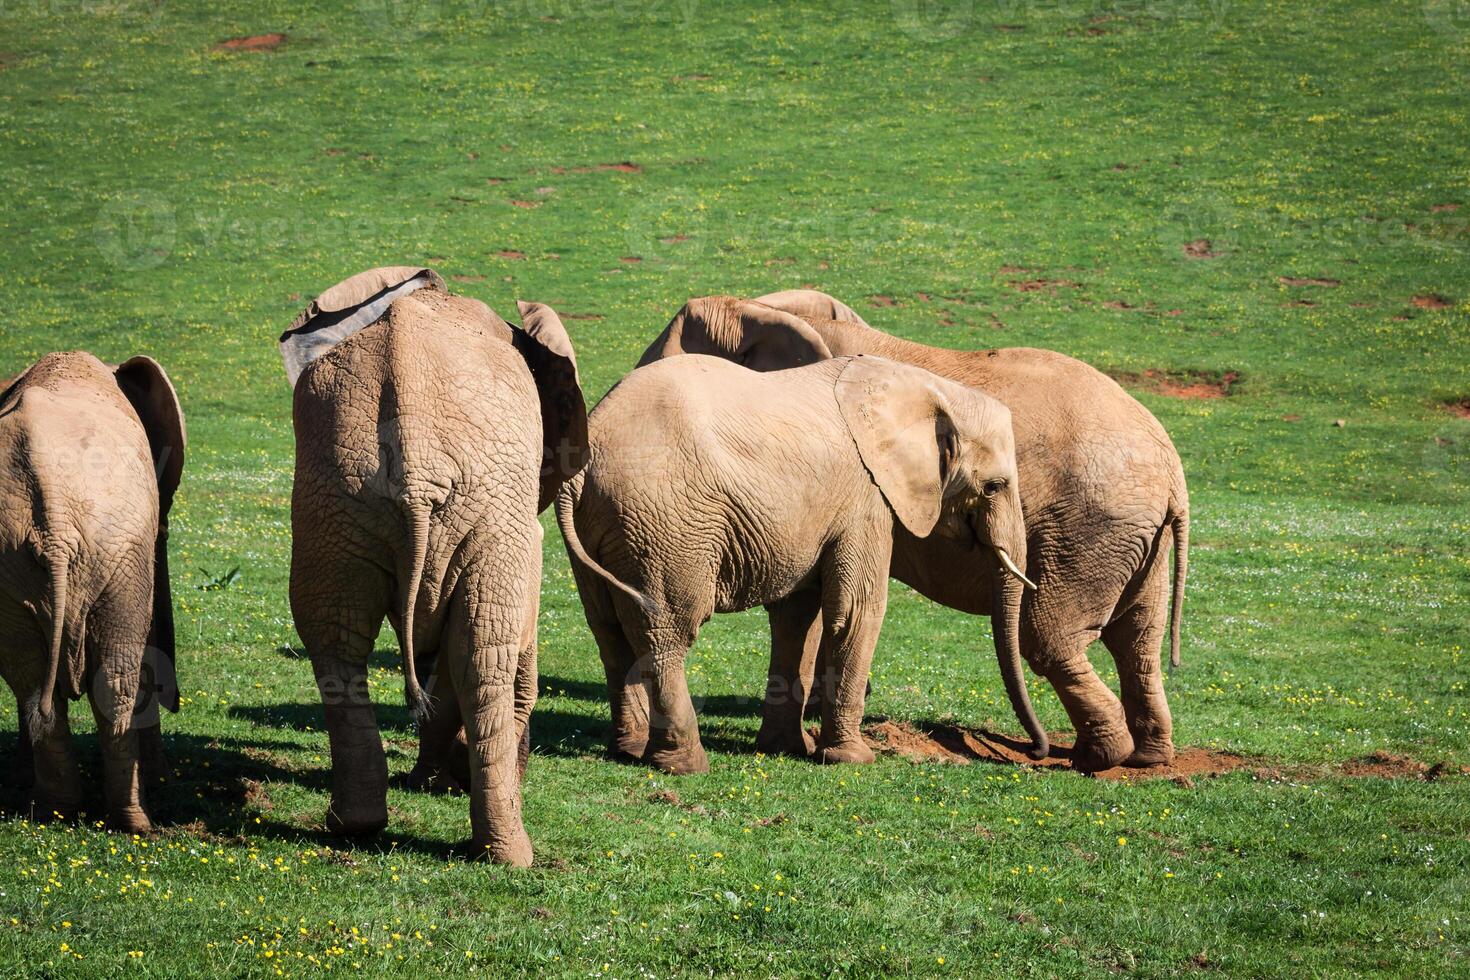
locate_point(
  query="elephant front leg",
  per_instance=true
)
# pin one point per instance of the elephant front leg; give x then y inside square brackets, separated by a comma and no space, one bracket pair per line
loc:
[359,766]
[1103,739]
[796,638]
[58,782]
[442,764]
[121,767]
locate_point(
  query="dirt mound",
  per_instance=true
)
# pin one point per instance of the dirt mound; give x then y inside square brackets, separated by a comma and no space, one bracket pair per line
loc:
[1386,765]
[1460,407]
[1180,384]
[622,167]
[1431,301]
[1200,248]
[255,42]
[1040,285]
[946,743]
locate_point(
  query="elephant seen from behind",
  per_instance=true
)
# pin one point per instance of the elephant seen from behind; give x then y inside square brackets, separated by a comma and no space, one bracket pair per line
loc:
[429,433]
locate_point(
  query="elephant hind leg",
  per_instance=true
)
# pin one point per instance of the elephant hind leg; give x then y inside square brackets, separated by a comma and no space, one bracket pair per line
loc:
[1135,639]
[796,637]
[117,636]
[339,604]
[626,687]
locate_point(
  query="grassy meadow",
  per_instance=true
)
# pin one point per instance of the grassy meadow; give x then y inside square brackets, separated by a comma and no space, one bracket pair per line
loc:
[1263,198]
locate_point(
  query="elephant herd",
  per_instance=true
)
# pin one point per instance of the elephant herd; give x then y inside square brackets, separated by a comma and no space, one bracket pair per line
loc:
[776,452]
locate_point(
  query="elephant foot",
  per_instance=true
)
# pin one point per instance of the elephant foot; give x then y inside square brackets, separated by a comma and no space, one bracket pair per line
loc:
[514,850]
[356,822]
[1150,752]
[855,752]
[1098,751]
[796,743]
[627,748]
[682,761]
[432,780]
[129,820]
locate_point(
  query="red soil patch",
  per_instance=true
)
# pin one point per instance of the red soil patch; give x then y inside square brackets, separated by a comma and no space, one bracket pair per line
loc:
[881,300]
[468,278]
[1460,407]
[1200,248]
[1444,208]
[1383,765]
[675,239]
[1300,303]
[255,42]
[510,253]
[630,259]
[1432,301]
[525,204]
[1181,384]
[1314,281]
[1037,285]
[698,76]
[495,180]
[946,743]
[623,167]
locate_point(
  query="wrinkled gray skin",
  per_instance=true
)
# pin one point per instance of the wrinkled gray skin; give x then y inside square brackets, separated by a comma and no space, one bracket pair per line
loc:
[711,488]
[420,444]
[1102,487]
[90,457]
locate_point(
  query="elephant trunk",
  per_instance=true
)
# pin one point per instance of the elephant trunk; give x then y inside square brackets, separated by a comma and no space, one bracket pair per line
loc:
[1006,533]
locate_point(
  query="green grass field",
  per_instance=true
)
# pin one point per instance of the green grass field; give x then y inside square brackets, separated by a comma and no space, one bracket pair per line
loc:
[967,173]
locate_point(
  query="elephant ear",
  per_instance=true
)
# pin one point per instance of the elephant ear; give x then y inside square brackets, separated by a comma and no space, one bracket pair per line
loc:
[811,303]
[147,388]
[542,340]
[773,340]
[751,334]
[345,309]
[902,426]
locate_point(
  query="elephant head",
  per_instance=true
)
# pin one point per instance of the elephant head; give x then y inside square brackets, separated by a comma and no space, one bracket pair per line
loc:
[757,336]
[147,388]
[944,457]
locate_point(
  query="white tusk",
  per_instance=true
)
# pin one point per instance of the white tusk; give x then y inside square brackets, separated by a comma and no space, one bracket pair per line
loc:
[1010,566]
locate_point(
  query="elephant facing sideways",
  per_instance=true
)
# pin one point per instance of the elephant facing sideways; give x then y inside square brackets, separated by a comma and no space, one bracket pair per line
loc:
[429,433]
[711,488]
[1102,487]
[92,457]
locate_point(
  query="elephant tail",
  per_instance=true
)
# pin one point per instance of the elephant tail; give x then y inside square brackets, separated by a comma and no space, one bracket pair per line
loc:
[565,520]
[418,518]
[57,566]
[1179,524]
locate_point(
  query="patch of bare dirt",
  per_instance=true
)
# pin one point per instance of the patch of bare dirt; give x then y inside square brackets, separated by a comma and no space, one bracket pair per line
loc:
[1180,384]
[881,300]
[1200,248]
[514,255]
[1309,281]
[630,259]
[675,239]
[1460,407]
[1299,304]
[463,278]
[254,42]
[1038,285]
[255,795]
[946,743]
[697,76]
[1432,301]
[622,167]
[525,204]
[1446,208]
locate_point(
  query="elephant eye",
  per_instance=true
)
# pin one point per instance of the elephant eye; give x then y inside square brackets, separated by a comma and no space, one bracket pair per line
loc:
[993,487]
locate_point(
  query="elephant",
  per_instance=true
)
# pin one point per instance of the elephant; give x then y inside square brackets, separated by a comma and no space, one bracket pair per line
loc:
[94,455]
[1101,484]
[429,434]
[712,488]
